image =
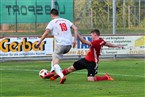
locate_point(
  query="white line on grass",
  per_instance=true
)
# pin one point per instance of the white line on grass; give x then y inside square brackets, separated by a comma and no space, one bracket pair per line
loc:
[73,72]
[19,70]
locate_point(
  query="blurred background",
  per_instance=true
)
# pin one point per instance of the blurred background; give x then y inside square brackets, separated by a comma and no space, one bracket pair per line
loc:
[30,17]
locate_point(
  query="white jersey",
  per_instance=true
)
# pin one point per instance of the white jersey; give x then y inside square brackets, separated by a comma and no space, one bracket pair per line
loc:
[61,29]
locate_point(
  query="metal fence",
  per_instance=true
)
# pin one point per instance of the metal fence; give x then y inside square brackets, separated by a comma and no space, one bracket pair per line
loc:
[87,15]
[130,15]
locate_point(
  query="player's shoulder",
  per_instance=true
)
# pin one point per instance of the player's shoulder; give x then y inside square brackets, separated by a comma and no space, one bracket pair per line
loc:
[101,39]
[51,21]
[98,41]
[65,19]
[54,20]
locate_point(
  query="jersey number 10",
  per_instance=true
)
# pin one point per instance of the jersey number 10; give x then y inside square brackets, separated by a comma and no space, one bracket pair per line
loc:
[63,27]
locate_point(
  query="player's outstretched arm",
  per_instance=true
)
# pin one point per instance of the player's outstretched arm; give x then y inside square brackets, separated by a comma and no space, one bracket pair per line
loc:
[75,35]
[83,40]
[43,37]
[113,45]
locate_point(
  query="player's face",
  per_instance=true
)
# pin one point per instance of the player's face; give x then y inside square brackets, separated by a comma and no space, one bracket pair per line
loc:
[52,16]
[94,35]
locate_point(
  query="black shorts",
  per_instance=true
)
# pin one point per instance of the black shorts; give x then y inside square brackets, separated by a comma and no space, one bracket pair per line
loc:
[92,67]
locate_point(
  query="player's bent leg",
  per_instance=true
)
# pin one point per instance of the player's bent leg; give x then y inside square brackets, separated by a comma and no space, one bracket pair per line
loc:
[55,60]
[57,55]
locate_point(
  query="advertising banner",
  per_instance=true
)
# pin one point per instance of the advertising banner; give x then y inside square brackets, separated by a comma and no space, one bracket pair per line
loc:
[24,47]
[132,45]
[33,11]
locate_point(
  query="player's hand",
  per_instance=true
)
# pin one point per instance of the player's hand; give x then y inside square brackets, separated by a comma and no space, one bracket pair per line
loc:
[120,46]
[37,45]
[74,44]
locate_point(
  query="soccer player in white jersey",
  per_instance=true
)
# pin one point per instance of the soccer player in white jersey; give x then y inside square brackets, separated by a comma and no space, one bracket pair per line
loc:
[61,30]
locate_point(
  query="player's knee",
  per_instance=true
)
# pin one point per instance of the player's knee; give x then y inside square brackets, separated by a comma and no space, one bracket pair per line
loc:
[71,69]
[55,61]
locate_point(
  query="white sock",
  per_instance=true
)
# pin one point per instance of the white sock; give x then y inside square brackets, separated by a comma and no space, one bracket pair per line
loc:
[58,70]
[52,67]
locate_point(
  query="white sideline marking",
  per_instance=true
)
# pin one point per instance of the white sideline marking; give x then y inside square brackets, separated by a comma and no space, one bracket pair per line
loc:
[73,72]
[20,70]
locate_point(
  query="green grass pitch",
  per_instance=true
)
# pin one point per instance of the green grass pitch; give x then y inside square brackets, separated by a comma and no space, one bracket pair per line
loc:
[20,79]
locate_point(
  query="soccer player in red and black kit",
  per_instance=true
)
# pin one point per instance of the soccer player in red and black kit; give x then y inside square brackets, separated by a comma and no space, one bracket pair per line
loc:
[91,60]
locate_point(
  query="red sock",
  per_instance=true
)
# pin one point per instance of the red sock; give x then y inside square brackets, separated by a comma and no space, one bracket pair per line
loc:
[65,72]
[100,78]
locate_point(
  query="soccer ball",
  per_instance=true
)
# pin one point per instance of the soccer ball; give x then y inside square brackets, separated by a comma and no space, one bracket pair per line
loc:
[43,72]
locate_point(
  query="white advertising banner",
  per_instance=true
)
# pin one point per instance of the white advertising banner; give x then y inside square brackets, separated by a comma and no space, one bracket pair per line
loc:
[24,46]
[132,45]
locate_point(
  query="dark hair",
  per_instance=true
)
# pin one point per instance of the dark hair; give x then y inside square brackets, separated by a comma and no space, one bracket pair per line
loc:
[54,12]
[96,31]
